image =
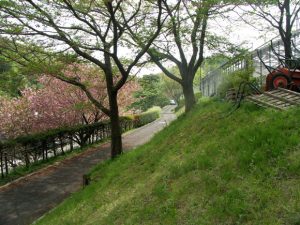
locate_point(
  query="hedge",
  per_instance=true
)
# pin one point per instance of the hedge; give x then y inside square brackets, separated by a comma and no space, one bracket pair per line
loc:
[147,117]
[25,150]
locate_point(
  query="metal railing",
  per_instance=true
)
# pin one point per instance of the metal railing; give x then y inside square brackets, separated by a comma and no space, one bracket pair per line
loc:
[27,150]
[210,83]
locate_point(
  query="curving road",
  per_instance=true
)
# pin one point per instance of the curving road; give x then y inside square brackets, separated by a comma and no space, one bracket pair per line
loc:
[26,199]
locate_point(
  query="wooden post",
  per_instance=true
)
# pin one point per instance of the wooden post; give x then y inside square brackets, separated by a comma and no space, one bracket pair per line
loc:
[102,132]
[97,134]
[45,150]
[61,144]
[86,180]
[27,162]
[90,136]
[14,158]
[123,127]
[1,164]
[6,164]
[105,131]
[54,147]
[93,136]
[71,142]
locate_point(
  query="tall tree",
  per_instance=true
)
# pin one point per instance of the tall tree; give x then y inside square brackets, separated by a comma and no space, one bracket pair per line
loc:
[182,41]
[150,93]
[170,88]
[4,65]
[12,79]
[94,31]
[279,14]
[48,107]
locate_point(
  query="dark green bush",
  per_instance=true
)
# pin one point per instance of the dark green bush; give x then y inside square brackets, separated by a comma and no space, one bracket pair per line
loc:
[50,134]
[139,120]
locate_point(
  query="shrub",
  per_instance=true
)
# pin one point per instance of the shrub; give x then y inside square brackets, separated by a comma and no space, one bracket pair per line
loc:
[32,139]
[148,116]
[127,118]
[150,94]
[233,80]
[198,96]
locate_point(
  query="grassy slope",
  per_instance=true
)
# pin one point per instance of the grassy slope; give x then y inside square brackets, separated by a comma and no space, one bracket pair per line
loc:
[243,169]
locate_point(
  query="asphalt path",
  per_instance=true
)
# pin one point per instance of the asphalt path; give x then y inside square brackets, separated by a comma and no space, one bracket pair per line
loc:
[27,199]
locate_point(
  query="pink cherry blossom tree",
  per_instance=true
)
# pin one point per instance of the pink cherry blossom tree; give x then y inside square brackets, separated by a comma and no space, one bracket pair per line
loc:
[57,103]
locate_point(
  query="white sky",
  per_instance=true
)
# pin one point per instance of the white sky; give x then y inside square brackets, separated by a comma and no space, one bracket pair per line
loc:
[238,32]
[250,38]
[232,27]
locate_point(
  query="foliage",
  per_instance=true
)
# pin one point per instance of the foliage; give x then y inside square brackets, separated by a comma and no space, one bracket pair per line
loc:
[233,80]
[47,135]
[43,142]
[180,105]
[198,96]
[31,152]
[170,88]
[147,117]
[209,64]
[95,34]
[213,62]
[4,65]
[11,79]
[245,173]
[281,15]
[183,41]
[57,103]
[150,93]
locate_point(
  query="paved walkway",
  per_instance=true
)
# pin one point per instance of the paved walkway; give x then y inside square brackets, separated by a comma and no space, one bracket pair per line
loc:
[24,201]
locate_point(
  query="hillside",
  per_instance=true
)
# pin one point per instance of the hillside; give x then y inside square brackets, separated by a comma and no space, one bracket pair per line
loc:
[202,169]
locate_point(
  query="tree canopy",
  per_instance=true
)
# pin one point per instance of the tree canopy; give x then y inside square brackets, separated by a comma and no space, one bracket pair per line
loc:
[280,15]
[150,94]
[93,31]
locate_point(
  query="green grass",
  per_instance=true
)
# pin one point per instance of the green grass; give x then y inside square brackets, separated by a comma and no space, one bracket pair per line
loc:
[202,169]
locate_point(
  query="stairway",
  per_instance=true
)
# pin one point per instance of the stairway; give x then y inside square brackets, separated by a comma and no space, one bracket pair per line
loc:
[280,99]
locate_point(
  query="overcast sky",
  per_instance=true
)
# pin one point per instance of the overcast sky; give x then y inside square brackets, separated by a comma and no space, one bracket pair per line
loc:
[250,36]
[237,32]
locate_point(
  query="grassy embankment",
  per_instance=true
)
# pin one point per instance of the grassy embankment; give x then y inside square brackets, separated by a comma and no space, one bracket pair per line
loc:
[242,169]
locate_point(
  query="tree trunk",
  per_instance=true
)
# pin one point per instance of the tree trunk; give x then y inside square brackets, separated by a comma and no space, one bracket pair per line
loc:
[288,49]
[288,31]
[116,133]
[287,42]
[189,96]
